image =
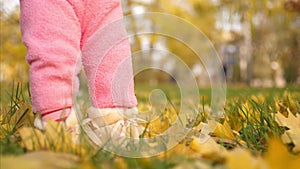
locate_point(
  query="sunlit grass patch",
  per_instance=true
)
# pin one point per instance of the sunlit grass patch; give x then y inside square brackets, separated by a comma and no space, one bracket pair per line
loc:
[249,131]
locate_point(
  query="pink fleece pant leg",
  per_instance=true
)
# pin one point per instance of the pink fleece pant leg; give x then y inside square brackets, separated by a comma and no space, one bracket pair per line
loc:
[51,32]
[55,32]
[107,60]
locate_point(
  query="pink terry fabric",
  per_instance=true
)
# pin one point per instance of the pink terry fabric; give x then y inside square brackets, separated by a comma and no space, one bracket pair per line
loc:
[55,33]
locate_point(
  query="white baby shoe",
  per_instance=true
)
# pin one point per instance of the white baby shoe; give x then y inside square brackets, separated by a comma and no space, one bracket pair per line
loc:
[113,125]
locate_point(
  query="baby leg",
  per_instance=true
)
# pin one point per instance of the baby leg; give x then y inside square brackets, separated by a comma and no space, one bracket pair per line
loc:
[51,31]
[106,56]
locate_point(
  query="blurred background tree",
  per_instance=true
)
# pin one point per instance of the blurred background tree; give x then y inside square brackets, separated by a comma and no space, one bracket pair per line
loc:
[12,51]
[258,41]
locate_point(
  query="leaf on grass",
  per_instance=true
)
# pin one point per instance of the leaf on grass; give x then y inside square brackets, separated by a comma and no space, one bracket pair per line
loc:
[278,157]
[181,150]
[292,135]
[245,110]
[5,129]
[120,163]
[248,113]
[241,158]
[159,125]
[258,98]
[286,104]
[209,149]
[194,165]
[236,123]
[32,139]
[224,131]
[45,160]
[144,108]
[199,127]
[55,137]
[171,114]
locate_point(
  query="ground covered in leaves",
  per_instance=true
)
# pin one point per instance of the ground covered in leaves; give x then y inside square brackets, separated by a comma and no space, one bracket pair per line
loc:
[259,130]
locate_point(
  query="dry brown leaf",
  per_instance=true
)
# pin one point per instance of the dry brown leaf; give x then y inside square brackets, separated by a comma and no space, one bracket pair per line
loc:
[278,157]
[292,135]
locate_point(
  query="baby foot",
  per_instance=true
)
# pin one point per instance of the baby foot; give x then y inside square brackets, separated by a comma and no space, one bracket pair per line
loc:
[113,125]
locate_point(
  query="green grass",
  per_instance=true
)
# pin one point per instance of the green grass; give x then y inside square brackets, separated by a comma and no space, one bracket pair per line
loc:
[15,106]
[252,109]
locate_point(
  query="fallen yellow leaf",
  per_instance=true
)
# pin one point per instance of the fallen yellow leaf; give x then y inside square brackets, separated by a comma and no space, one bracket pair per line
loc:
[241,158]
[32,139]
[4,130]
[248,113]
[193,165]
[171,114]
[55,137]
[43,159]
[278,157]
[236,123]
[181,150]
[159,125]
[209,149]
[224,131]
[292,135]
[120,163]
[258,98]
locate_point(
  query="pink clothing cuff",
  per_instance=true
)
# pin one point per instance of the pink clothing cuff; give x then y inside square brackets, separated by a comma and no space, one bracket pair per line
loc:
[57,115]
